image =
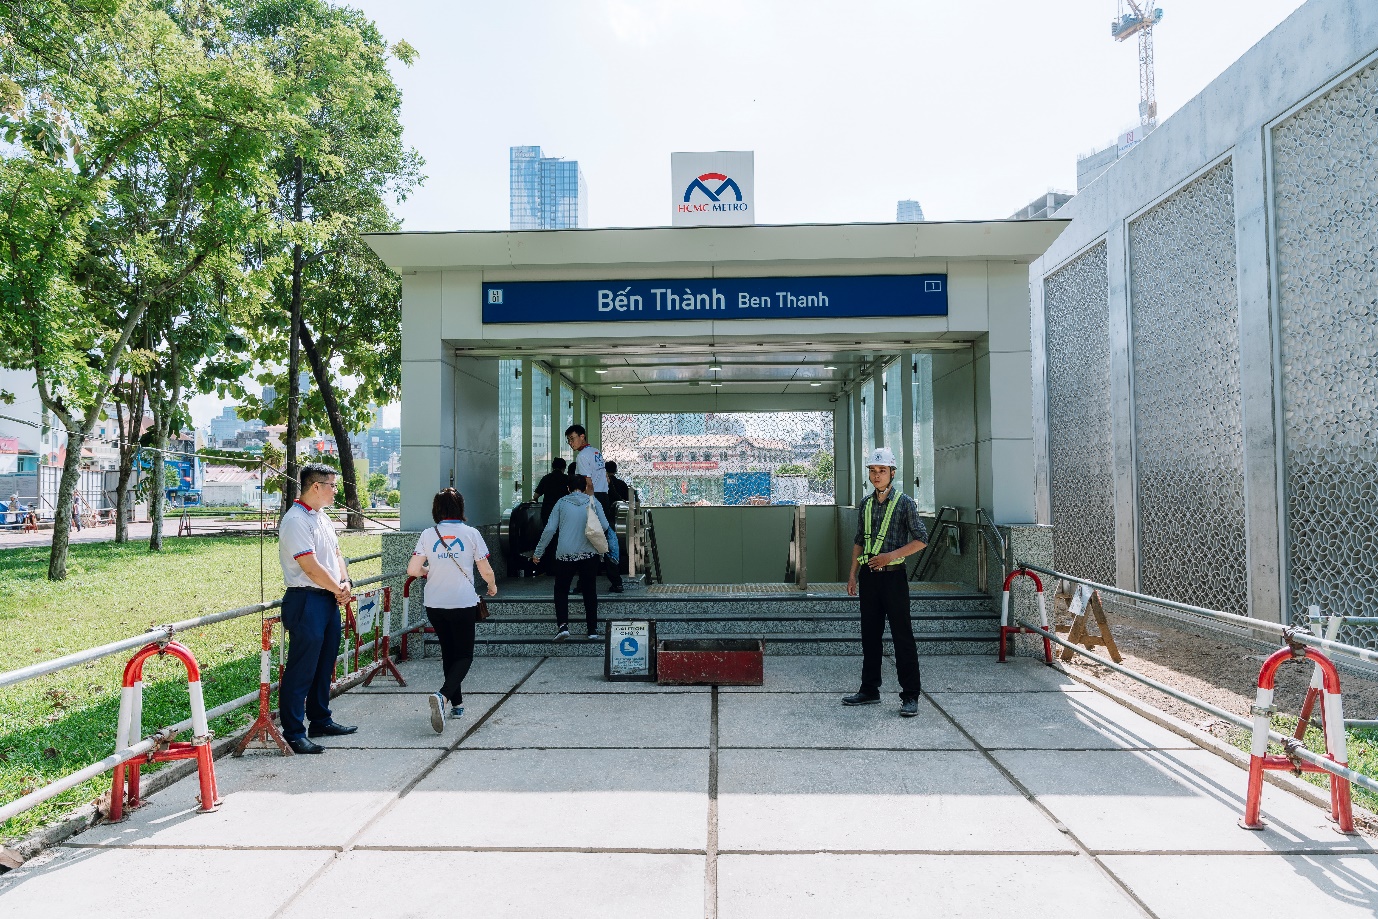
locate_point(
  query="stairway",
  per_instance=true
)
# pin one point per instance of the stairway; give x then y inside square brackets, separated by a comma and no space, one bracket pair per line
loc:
[947,618]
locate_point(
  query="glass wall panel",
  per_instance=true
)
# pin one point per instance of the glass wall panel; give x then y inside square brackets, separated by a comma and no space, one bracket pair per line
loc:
[724,458]
[894,412]
[923,431]
[567,397]
[868,417]
[540,423]
[509,434]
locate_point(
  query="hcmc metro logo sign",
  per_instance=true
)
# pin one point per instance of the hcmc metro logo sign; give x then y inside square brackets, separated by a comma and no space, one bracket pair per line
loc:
[713,189]
[713,193]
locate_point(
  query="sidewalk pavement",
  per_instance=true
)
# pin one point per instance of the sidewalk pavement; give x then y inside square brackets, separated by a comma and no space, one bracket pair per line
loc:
[1016,792]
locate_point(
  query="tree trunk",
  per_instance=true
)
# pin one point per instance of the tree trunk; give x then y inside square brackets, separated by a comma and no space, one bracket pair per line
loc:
[62,519]
[157,489]
[122,496]
[129,431]
[332,408]
[289,487]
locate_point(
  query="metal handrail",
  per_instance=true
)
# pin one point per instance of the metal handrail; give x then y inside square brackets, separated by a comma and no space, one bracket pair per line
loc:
[994,538]
[1240,721]
[1298,633]
[157,633]
[930,551]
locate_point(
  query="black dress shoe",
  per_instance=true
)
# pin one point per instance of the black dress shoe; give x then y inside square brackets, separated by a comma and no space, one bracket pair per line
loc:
[857,698]
[302,745]
[330,729]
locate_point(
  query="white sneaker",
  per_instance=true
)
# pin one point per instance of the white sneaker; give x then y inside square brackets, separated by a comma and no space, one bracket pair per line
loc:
[562,634]
[594,636]
[438,713]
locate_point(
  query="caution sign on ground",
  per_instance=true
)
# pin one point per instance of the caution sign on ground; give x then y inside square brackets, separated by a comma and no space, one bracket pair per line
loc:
[630,652]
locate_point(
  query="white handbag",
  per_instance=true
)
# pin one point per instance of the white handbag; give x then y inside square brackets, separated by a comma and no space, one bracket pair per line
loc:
[593,531]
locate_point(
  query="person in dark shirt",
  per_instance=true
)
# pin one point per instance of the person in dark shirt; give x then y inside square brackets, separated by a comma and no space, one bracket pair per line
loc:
[618,490]
[553,486]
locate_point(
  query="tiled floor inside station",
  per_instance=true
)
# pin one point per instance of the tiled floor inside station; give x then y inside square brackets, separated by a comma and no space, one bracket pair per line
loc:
[1016,792]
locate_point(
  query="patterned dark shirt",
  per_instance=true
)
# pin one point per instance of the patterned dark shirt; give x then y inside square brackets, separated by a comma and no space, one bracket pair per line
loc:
[905,525]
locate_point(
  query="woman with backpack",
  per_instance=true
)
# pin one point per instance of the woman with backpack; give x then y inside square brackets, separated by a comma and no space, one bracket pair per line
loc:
[446,555]
[584,538]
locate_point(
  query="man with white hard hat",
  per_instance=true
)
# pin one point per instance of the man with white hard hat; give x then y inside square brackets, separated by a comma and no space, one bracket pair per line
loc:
[888,529]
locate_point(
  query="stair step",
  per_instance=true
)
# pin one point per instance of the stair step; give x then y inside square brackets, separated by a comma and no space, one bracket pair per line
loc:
[775,644]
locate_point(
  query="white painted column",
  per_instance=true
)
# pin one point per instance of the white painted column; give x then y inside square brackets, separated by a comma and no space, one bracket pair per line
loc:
[907,464]
[527,485]
[428,393]
[1122,407]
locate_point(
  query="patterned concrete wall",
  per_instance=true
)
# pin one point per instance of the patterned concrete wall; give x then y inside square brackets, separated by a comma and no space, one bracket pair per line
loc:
[1189,430]
[1079,436]
[1325,184]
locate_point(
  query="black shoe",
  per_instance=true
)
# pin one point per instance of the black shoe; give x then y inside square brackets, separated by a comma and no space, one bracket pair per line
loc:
[302,745]
[909,708]
[858,698]
[616,588]
[330,729]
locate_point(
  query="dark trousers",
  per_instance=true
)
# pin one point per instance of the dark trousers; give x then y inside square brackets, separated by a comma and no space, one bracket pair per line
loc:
[312,621]
[611,568]
[587,571]
[885,598]
[455,629]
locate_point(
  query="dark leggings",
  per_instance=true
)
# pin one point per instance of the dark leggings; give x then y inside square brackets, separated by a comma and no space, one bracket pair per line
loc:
[587,570]
[455,629]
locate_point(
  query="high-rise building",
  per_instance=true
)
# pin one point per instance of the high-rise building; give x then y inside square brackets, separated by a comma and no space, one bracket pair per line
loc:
[548,193]
[908,211]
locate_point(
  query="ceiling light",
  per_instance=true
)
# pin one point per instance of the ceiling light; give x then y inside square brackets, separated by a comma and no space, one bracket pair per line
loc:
[617,386]
[829,367]
[815,384]
[600,370]
[715,367]
[714,384]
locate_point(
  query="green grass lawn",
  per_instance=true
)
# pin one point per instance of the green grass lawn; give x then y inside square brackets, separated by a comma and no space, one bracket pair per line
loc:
[53,725]
[1361,744]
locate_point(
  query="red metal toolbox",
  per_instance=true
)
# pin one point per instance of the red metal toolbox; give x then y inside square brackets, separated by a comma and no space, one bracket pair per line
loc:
[720,661]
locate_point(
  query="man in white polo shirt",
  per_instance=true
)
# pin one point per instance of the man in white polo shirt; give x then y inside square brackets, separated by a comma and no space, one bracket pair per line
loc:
[317,583]
[588,462]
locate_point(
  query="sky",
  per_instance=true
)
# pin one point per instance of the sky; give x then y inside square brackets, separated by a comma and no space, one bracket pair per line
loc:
[973,109]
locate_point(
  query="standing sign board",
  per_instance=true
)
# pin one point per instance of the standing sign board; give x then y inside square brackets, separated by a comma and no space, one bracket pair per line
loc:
[631,651]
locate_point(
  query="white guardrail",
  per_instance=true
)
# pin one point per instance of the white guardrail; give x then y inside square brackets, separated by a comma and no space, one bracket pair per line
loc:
[1290,634]
[162,633]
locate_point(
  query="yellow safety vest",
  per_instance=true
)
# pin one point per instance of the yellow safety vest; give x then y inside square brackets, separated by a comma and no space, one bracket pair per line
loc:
[870,545]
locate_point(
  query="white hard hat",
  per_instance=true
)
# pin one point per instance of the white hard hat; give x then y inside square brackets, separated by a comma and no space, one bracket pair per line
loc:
[881,456]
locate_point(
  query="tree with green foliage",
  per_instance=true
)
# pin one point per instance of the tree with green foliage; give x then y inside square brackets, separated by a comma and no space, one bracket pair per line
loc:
[377,485]
[103,95]
[336,180]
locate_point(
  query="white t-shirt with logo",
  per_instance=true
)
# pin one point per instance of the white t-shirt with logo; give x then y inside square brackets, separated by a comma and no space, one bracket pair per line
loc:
[589,462]
[442,545]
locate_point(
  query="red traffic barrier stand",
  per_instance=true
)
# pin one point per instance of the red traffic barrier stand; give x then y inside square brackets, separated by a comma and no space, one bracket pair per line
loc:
[405,650]
[264,729]
[382,642]
[1313,692]
[1341,809]
[125,788]
[1006,630]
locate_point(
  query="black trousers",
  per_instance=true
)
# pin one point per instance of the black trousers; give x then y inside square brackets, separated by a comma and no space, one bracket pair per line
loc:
[611,568]
[587,571]
[455,629]
[885,598]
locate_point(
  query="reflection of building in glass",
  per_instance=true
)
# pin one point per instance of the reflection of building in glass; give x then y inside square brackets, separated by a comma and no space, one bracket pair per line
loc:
[777,457]
[548,193]
[509,435]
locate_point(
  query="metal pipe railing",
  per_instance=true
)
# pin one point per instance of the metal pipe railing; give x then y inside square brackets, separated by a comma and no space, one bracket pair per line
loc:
[158,633]
[1292,633]
[1301,753]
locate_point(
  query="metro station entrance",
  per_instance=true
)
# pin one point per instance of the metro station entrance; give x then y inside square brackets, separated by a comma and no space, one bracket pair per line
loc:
[736,376]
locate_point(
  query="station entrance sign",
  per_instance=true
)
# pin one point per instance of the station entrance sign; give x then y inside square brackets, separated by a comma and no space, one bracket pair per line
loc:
[631,650]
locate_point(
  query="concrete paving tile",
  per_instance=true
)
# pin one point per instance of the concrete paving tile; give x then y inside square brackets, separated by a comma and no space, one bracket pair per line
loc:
[950,886]
[424,676]
[398,720]
[273,800]
[816,673]
[1131,801]
[506,885]
[979,673]
[637,799]
[1189,886]
[611,720]
[800,800]
[137,884]
[585,674]
[1054,721]
[820,720]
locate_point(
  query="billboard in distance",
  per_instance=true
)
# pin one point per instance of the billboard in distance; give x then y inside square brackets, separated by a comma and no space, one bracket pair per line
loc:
[713,189]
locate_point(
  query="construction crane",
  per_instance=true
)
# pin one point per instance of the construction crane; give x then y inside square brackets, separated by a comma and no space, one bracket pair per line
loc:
[1136,18]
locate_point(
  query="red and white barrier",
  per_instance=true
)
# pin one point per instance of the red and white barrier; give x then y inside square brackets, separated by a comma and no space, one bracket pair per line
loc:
[1341,810]
[408,628]
[1006,630]
[129,731]
[382,641]
[264,729]
[1313,692]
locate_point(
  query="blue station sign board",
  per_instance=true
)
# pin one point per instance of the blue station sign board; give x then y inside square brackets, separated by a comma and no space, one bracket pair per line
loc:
[715,299]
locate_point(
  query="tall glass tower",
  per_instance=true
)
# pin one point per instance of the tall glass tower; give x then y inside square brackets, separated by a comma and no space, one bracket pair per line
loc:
[548,193]
[908,212]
